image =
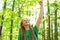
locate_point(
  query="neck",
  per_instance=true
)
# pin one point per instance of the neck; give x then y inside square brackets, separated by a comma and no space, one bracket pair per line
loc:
[26,27]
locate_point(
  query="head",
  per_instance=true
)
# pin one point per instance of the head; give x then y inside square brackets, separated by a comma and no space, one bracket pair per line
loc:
[25,22]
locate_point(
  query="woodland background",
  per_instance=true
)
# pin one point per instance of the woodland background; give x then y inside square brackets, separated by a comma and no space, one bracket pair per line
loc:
[12,11]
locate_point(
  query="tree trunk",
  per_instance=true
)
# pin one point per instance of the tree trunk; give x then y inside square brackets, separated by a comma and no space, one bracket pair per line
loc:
[20,10]
[4,7]
[51,31]
[12,20]
[56,28]
[43,32]
[48,34]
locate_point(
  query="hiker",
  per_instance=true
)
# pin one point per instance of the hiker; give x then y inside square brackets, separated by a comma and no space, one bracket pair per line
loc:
[27,32]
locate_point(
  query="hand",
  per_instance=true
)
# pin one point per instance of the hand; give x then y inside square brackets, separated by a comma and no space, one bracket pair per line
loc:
[40,2]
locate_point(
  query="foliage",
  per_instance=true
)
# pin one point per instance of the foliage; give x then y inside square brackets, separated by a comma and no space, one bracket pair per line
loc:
[23,8]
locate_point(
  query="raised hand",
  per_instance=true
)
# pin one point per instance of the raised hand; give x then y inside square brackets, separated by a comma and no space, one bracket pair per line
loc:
[40,2]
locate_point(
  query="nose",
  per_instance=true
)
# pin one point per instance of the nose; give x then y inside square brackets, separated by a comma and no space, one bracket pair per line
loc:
[26,21]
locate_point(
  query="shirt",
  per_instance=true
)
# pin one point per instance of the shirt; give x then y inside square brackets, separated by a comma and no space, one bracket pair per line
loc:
[28,33]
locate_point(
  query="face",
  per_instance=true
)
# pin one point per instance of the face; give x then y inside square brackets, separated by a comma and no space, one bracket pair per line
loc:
[25,22]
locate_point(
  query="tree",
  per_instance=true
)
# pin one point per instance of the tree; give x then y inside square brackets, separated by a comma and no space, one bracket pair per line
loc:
[12,20]
[56,28]
[56,7]
[52,31]
[4,7]
[43,31]
[48,36]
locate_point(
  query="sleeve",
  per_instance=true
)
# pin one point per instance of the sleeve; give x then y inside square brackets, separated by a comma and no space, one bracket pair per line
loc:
[36,30]
[19,36]
[28,34]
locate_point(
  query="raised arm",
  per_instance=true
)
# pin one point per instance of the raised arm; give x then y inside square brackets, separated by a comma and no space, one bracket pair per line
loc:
[40,14]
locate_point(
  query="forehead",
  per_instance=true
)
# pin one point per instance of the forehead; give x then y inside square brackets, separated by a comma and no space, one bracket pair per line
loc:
[25,20]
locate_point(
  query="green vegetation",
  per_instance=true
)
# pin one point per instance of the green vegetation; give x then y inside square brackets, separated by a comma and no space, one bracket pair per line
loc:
[14,10]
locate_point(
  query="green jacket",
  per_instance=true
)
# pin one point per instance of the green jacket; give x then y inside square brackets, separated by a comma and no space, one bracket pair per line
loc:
[28,33]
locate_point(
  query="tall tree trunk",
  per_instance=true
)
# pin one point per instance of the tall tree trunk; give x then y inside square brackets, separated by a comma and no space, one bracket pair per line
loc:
[43,32]
[12,20]
[51,31]
[48,34]
[56,28]
[20,10]
[4,7]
